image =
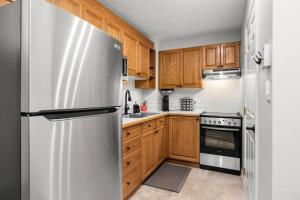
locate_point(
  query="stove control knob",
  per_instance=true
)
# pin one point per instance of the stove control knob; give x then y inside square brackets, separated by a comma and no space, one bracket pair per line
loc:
[234,123]
[209,121]
[219,122]
[205,121]
[229,123]
[214,121]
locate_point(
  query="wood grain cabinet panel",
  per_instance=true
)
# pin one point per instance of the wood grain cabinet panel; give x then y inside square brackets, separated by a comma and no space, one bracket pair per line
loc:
[148,159]
[131,181]
[230,55]
[131,51]
[72,6]
[169,76]
[114,28]
[94,15]
[159,145]
[131,146]
[184,138]
[211,56]
[143,69]
[192,68]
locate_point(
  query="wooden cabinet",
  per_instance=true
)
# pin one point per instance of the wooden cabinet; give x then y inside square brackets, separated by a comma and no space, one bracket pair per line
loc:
[221,56]
[94,14]
[230,55]
[192,68]
[143,69]
[151,82]
[148,162]
[131,51]
[159,145]
[181,68]
[114,29]
[184,138]
[169,69]
[72,6]
[211,56]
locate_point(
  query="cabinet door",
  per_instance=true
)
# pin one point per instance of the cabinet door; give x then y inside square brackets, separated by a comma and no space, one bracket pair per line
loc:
[184,138]
[94,15]
[159,145]
[211,57]
[114,29]
[148,162]
[192,68]
[143,69]
[230,55]
[130,50]
[72,6]
[169,69]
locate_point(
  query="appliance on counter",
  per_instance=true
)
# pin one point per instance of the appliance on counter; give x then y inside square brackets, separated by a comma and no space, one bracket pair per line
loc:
[136,108]
[187,104]
[165,99]
[71,78]
[217,74]
[221,142]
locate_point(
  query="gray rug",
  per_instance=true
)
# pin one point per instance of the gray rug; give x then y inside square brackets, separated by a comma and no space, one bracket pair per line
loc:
[169,177]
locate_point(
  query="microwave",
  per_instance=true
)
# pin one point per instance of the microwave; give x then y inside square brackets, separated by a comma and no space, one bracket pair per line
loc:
[125,68]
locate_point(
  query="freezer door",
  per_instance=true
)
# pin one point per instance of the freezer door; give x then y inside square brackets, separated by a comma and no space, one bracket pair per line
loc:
[67,63]
[72,158]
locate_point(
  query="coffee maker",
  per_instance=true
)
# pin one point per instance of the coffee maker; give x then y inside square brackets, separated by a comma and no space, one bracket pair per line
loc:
[165,99]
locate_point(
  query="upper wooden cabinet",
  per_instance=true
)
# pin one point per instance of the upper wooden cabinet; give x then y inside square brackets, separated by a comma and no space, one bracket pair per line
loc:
[184,138]
[181,68]
[143,69]
[114,28]
[94,15]
[169,69]
[192,68]
[230,55]
[211,56]
[221,56]
[131,51]
[72,6]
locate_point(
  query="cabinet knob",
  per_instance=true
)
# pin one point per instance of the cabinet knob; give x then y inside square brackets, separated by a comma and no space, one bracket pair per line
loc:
[128,163]
[128,183]
[128,148]
[128,133]
[149,125]
[177,85]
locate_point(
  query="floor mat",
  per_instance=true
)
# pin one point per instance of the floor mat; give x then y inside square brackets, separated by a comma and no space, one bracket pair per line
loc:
[169,177]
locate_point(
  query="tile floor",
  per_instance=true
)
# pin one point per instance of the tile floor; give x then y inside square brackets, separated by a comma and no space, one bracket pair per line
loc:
[200,185]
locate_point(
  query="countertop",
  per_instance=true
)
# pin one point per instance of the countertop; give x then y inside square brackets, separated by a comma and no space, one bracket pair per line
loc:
[132,121]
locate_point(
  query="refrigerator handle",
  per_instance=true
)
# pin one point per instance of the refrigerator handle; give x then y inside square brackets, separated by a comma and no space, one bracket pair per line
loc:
[59,116]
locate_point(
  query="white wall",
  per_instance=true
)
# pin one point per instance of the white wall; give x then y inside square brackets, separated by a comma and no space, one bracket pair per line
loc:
[286,100]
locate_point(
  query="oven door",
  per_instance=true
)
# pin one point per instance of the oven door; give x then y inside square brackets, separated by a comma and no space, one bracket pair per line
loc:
[225,141]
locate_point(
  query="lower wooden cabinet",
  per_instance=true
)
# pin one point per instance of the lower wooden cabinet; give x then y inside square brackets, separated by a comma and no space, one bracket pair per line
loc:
[148,162]
[184,138]
[131,180]
[159,145]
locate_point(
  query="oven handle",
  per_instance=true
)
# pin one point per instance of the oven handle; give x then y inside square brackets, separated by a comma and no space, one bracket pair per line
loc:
[221,129]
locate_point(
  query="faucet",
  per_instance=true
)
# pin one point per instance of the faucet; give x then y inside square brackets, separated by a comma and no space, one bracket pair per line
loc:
[126,104]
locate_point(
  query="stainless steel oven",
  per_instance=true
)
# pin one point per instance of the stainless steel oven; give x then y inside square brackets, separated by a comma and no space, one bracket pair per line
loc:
[221,142]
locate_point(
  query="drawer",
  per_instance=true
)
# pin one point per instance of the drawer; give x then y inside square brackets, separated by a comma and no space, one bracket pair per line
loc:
[131,146]
[132,132]
[160,122]
[148,126]
[131,161]
[132,180]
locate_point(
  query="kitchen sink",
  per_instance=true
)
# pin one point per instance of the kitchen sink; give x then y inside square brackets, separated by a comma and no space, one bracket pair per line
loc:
[139,115]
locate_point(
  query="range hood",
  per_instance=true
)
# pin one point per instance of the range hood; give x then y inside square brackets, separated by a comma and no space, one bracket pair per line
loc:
[218,74]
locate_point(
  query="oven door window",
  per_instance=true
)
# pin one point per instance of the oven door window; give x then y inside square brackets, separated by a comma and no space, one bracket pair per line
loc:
[220,140]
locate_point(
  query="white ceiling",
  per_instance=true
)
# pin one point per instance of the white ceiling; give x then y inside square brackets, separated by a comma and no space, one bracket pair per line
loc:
[174,19]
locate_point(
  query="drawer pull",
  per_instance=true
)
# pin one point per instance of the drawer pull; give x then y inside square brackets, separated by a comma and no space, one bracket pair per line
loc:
[128,163]
[128,183]
[128,133]
[128,148]
[149,125]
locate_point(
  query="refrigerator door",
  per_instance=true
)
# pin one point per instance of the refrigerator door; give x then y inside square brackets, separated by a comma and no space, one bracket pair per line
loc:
[67,63]
[72,158]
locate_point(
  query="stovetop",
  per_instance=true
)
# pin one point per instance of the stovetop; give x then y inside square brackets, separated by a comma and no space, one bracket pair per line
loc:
[219,114]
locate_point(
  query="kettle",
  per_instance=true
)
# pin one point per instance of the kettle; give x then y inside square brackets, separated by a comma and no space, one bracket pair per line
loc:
[136,108]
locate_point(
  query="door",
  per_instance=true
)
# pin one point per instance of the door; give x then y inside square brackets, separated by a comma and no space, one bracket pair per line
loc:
[230,55]
[159,145]
[169,68]
[94,15]
[81,66]
[148,159]
[114,28]
[192,68]
[72,6]
[131,51]
[144,61]
[184,138]
[211,56]
[251,90]
[72,156]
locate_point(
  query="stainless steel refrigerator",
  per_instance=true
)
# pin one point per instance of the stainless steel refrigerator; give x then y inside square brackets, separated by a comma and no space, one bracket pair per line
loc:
[70,76]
